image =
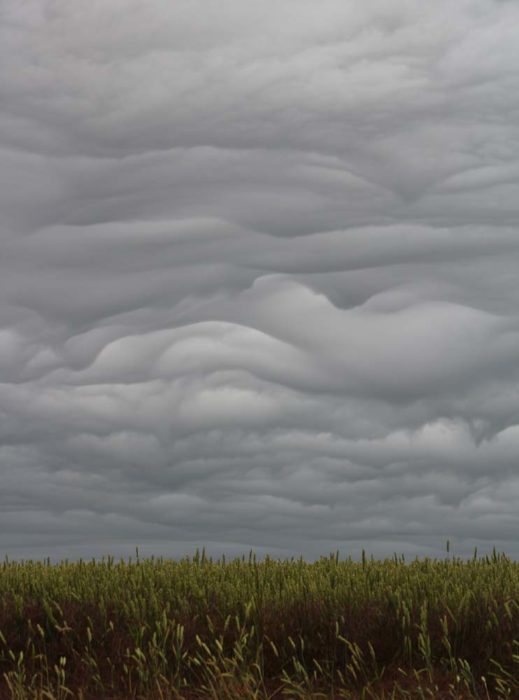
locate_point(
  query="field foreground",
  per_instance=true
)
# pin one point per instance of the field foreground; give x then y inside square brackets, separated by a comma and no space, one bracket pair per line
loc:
[196,628]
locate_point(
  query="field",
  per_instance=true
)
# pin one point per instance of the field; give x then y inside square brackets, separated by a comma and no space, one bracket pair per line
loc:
[240,629]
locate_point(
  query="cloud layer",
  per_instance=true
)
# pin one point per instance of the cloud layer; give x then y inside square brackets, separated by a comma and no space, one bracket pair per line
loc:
[258,279]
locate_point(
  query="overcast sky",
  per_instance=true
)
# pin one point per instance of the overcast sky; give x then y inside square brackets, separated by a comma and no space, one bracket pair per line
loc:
[259,277]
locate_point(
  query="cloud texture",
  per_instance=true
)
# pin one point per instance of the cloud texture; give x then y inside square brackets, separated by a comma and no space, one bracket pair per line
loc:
[259,277]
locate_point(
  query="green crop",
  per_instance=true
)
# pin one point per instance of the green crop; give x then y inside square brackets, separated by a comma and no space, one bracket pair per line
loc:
[248,629]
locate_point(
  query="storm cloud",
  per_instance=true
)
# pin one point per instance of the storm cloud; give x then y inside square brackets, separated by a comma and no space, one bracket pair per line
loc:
[259,277]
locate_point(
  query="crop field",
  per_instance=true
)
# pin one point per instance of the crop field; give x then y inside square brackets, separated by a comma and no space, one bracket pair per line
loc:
[247,629]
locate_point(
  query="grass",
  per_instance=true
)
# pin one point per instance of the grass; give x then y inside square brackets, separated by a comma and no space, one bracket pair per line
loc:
[169,630]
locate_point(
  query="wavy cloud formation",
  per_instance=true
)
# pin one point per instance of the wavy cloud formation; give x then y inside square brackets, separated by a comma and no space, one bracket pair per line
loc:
[258,277]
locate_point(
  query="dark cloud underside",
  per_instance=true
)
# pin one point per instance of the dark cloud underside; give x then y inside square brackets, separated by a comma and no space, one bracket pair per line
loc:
[258,277]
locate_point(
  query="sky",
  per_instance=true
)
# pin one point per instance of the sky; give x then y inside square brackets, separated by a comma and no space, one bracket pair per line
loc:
[259,278]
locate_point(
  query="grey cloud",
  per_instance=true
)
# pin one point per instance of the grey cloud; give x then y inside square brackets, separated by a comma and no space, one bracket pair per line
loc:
[258,277]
